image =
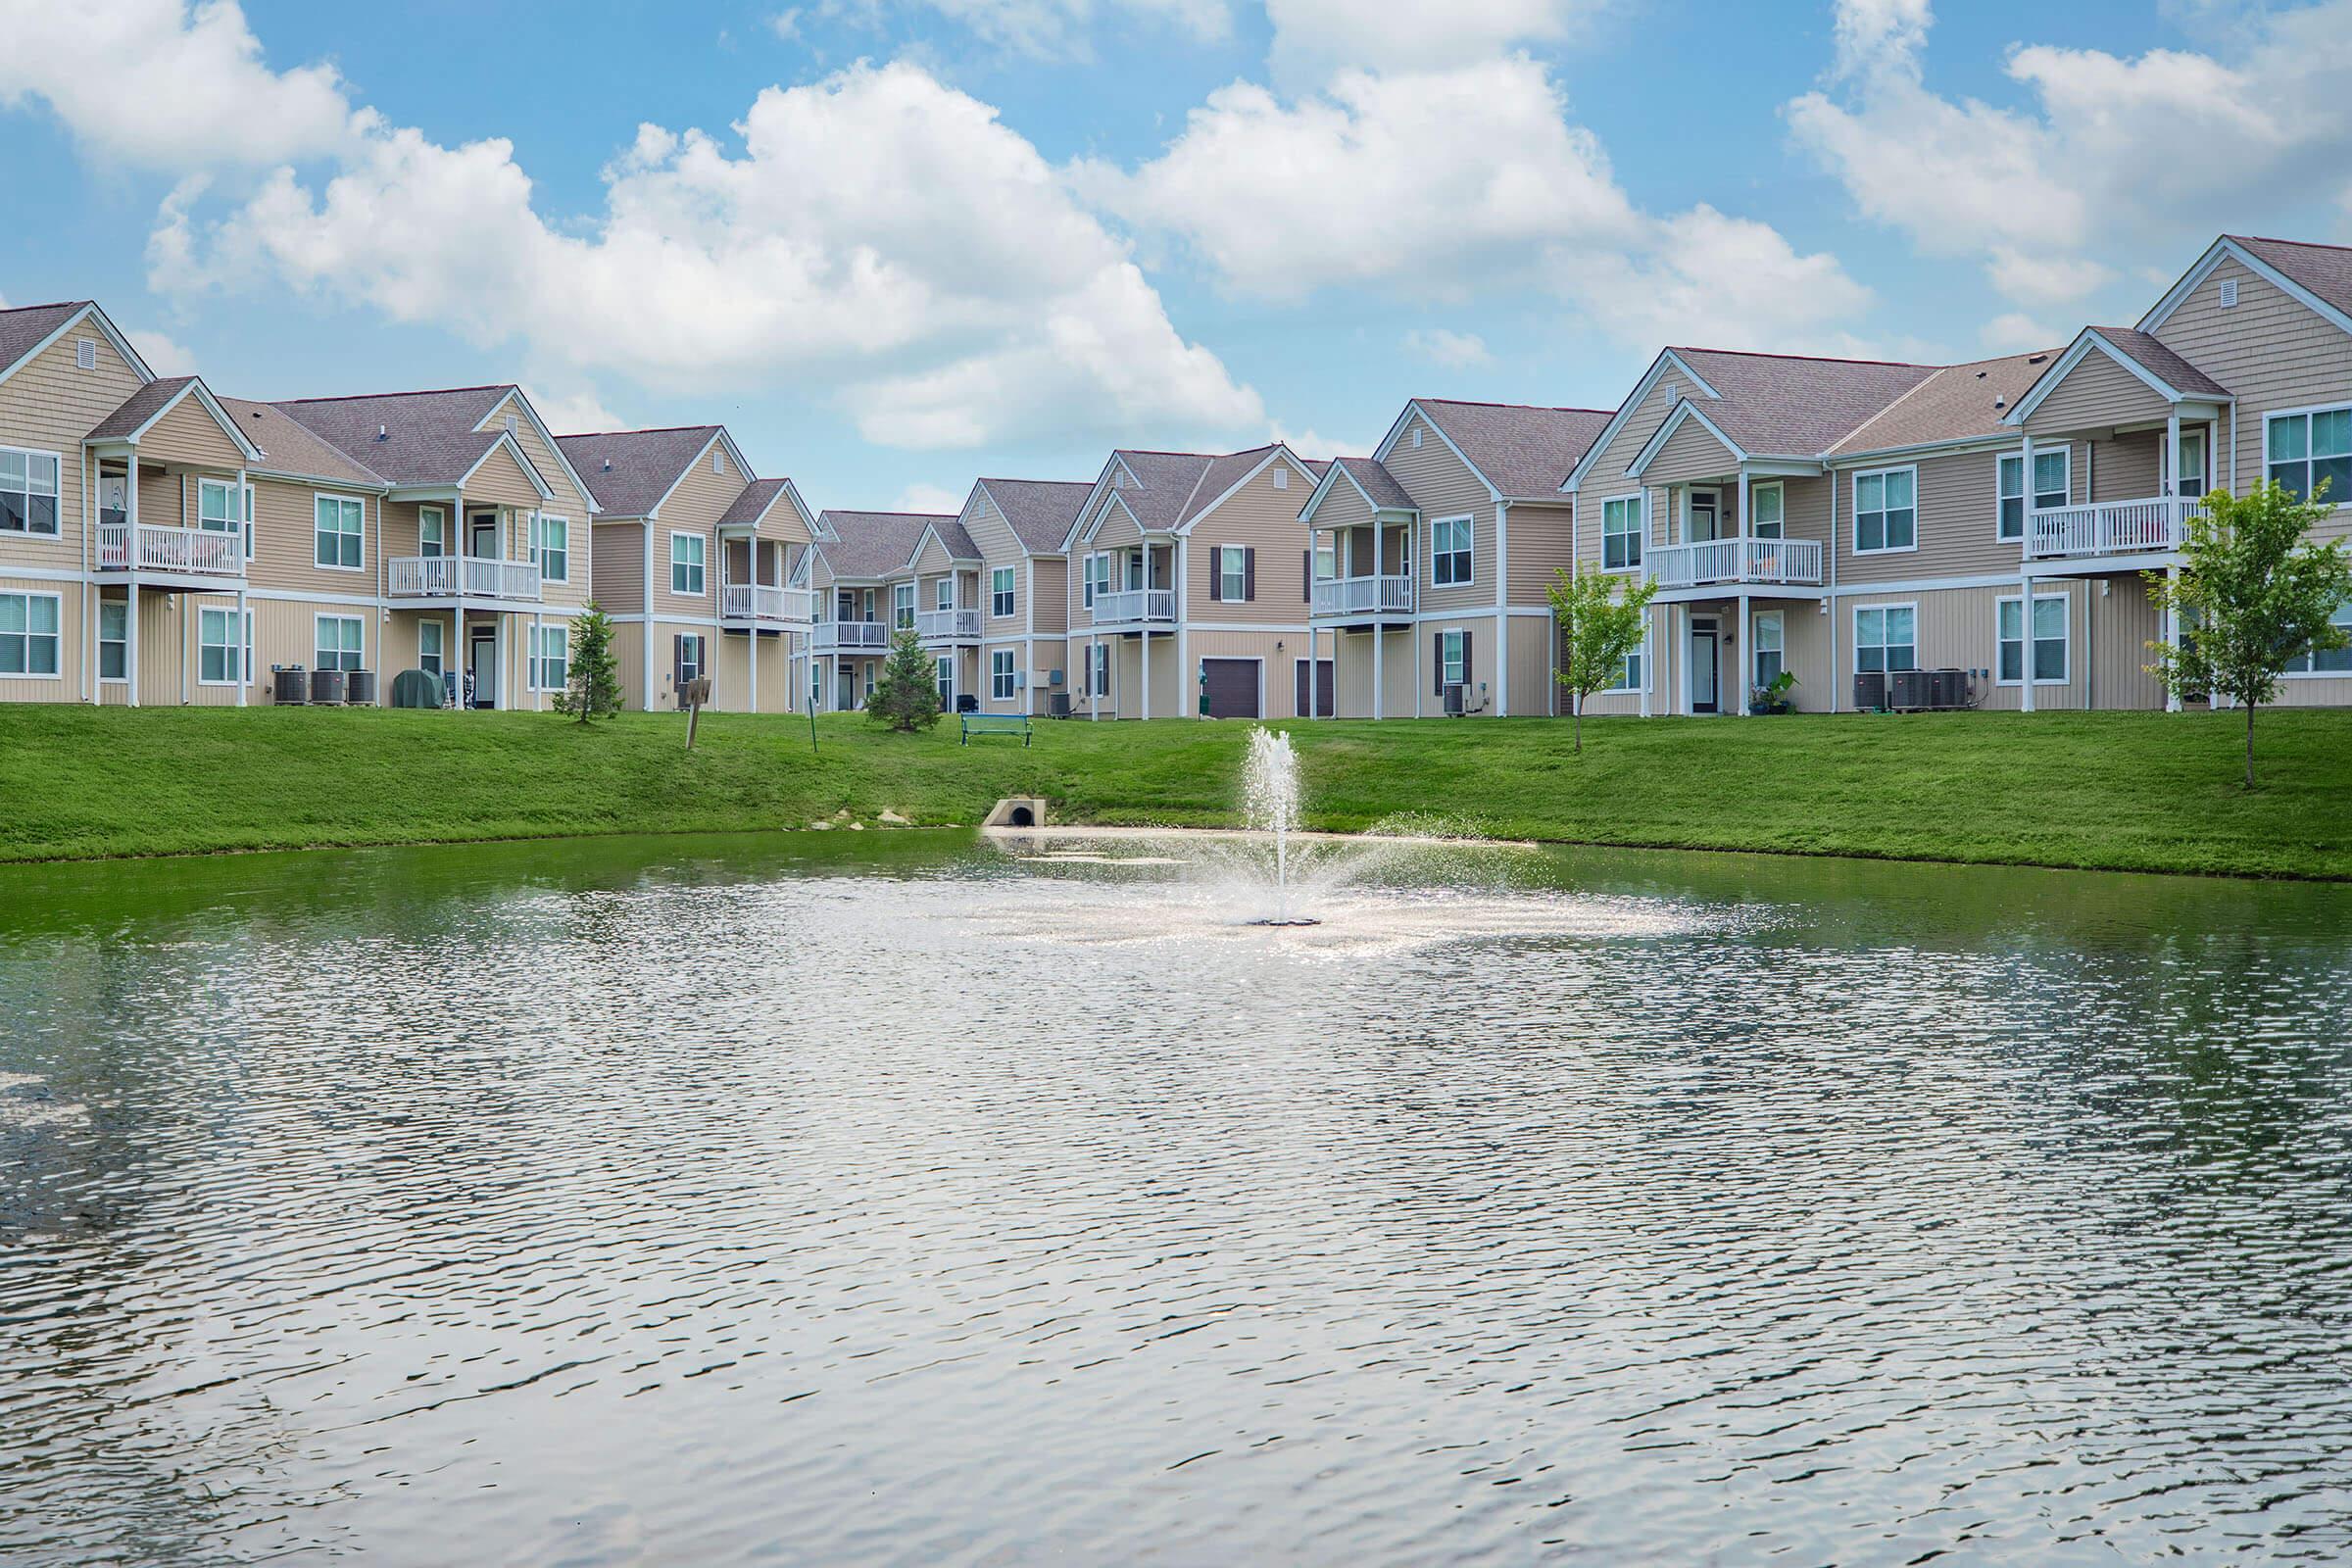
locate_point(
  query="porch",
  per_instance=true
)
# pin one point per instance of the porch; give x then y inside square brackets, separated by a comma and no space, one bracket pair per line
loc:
[1132,589]
[1364,577]
[752,591]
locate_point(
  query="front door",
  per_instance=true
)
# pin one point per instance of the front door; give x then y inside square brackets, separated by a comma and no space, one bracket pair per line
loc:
[481,538]
[845,696]
[481,665]
[1702,666]
[2192,462]
[1705,515]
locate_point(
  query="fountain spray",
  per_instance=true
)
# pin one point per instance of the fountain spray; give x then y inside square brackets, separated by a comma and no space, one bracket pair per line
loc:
[1270,795]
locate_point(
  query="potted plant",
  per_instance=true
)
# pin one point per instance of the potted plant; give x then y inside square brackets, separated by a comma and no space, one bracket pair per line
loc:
[1773,695]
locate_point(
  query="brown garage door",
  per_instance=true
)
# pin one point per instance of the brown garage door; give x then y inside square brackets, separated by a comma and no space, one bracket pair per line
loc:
[1232,685]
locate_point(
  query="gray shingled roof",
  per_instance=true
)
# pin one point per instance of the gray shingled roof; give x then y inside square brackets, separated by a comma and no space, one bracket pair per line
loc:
[629,471]
[1039,511]
[2325,269]
[1525,453]
[1222,474]
[1379,483]
[2158,360]
[289,448]
[1780,404]
[874,544]
[957,541]
[746,509]
[140,406]
[429,436]
[1165,484]
[1958,403]
[23,329]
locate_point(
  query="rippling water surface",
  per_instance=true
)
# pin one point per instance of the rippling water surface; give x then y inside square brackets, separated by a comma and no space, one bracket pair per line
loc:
[915,1200]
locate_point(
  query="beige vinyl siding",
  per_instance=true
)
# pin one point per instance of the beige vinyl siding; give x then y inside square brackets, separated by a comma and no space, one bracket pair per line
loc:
[1481,674]
[1344,507]
[1277,670]
[1956,629]
[617,561]
[1049,591]
[1690,453]
[2126,468]
[1607,479]
[931,562]
[500,480]
[1542,539]
[1259,517]
[1533,690]
[993,536]
[49,406]
[1401,676]
[568,499]
[1959,524]
[731,674]
[285,540]
[189,434]
[1117,530]
[1127,677]
[73,638]
[2269,350]
[1447,487]
[2123,622]
[2097,393]
[666,600]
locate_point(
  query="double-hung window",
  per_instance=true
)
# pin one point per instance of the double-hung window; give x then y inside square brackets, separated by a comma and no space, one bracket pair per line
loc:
[693,661]
[1887,637]
[428,647]
[551,660]
[1767,507]
[29,642]
[942,675]
[28,492]
[1765,642]
[1449,561]
[2328,661]
[2190,477]
[2047,638]
[999,675]
[2310,453]
[1100,660]
[1620,533]
[114,639]
[943,594]
[1096,575]
[340,641]
[220,510]
[1886,509]
[999,591]
[1233,574]
[1453,664]
[2052,479]
[336,523]
[901,606]
[686,563]
[551,547]
[432,531]
[1629,677]
[220,650]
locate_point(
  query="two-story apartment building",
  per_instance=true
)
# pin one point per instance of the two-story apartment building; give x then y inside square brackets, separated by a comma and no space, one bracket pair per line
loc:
[1011,627]
[1182,601]
[700,564]
[863,577]
[1433,557]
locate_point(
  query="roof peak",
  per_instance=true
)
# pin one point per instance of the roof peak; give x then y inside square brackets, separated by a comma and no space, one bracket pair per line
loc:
[1531,408]
[642,429]
[2304,244]
[417,392]
[1809,358]
[48,305]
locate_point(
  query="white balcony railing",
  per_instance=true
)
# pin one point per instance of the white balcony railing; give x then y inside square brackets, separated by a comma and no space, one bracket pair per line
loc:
[1360,595]
[1794,562]
[2111,527]
[1125,605]
[748,601]
[199,552]
[848,636]
[944,625]
[460,577]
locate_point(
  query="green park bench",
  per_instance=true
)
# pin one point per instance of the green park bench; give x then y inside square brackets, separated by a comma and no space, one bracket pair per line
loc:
[996,724]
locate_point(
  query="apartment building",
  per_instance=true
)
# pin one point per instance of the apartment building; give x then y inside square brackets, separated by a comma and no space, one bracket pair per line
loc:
[1183,602]
[701,564]
[1433,557]
[160,543]
[863,577]
[1006,634]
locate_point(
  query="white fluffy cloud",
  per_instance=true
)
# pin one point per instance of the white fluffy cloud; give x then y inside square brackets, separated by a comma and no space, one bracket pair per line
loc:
[931,499]
[162,84]
[1055,27]
[1312,36]
[2116,156]
[163,356]
[1449,181]
[1454,350]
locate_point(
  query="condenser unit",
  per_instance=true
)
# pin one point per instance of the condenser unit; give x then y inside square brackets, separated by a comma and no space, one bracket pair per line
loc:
[360,690]
[1909,689]
[327,686]
[1870,690]
[289,685]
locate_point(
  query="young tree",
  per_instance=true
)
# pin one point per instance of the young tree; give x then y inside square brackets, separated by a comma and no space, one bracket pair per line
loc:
[2253,595]
[905,697]
[1600,626]
[592,685]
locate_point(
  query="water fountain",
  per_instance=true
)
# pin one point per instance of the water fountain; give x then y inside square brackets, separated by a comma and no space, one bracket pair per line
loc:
[1270,797]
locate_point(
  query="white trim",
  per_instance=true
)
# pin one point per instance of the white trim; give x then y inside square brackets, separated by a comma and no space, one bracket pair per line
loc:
[1469,520]
[1412,407]
[2203,268]
[58,636]
[1854,626]
[320,620]
[704,592]
[2268,415]
[1330,476]
[244,651]
[106,328]
[1854,478]
[1277,451]
[537,553]
[360,502]
[1610,432]
[54,574]
[522,460]
[2065,449]
[2025,652]
[2085,341]
[1684,409]
[547,438]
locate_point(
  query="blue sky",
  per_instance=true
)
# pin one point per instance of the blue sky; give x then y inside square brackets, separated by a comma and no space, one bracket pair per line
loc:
[917,242]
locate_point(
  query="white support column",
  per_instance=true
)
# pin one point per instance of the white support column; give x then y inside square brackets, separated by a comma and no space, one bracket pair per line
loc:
[1682,658]
[2025,540]
[131,632]
[1650,659]
[1146,654]
[2172,634]
[1380,695]
[1313,670]
[2172,452]
[646,626]
[1503,610]
[538,625]
[453,658]
[1742,657]
[187,629]
[2025,631]
[91,687]
[751,642]
[244,651]
[1188,702]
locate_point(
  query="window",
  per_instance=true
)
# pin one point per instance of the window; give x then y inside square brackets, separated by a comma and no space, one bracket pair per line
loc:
[1767,506]
[1885,637]
[1629,679]
[28,492]
[1450,550]
[694,661]
[999,675]
[1886,510]
[29,634]
[686,563]
[1450,659]
[432,531]
[428,647]
[1327,563]
[2308,450]
[2328,661]
[2052,477]
[1135,571]
[1096,579]
[218,649]
[2191,462]
[1233,574]
[943,674]
[114,639]
[901,606]
[551,547]
[1100,657]
[1764,640]
[943,594]
[336,520]
[339,641]
[999,591]
[218,510]
[551,660]
[1620,533]
[2048,638]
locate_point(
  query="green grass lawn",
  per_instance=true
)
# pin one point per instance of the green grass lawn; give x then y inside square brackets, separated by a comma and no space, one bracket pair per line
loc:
[2125,791]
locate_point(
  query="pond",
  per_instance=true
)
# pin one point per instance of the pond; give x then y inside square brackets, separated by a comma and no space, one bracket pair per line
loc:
[923,1198]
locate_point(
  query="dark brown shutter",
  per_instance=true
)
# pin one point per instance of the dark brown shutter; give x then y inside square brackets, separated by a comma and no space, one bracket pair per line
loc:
[1467,664]
[1307,575]
[1217,572]
[1437,660]
[1249,573]
[678,662]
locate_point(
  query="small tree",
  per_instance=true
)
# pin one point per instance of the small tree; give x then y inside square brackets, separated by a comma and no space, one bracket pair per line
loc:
[592,685]
[904,698]
[2253,595]
[1602,618]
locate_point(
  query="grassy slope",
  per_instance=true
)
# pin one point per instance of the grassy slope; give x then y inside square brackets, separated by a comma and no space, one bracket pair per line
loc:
[2126,790]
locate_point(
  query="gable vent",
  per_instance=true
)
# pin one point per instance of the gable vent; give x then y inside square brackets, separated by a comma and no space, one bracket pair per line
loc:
[1416,436]
[2229,293]
[510,425]
[1674,394]
[85,354]
[718,461]
[1282,478]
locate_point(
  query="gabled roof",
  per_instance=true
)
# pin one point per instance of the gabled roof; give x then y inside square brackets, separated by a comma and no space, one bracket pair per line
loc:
[1379,485]
[429,438]
[2325,269]
[26,327]
[952,537]
[1524,452]
[1039,511]
[1958,403]
[758,499]
[292,449]
[1793,406]
[156,399]
[1173,490]
[2155,357]
[872,545]
[630,472]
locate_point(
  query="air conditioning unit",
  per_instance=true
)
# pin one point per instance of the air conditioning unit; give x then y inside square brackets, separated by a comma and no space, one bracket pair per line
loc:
[289,685]
[1948,688]
[1870,690]
[1453,701]
[1910,689]
[326,685]
[360,690]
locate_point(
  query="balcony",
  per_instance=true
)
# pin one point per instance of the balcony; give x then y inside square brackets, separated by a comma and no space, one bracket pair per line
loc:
[1784,562]
[188,551]
[848,636]
[1128,606]
[948,625]
[767,605]
[2111,528]
[462,577]
[1363,596]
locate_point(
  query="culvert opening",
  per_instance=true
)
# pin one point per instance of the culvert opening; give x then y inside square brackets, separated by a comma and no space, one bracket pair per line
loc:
[1023,817]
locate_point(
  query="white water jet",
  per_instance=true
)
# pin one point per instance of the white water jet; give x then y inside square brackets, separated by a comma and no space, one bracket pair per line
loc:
[1270,798]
